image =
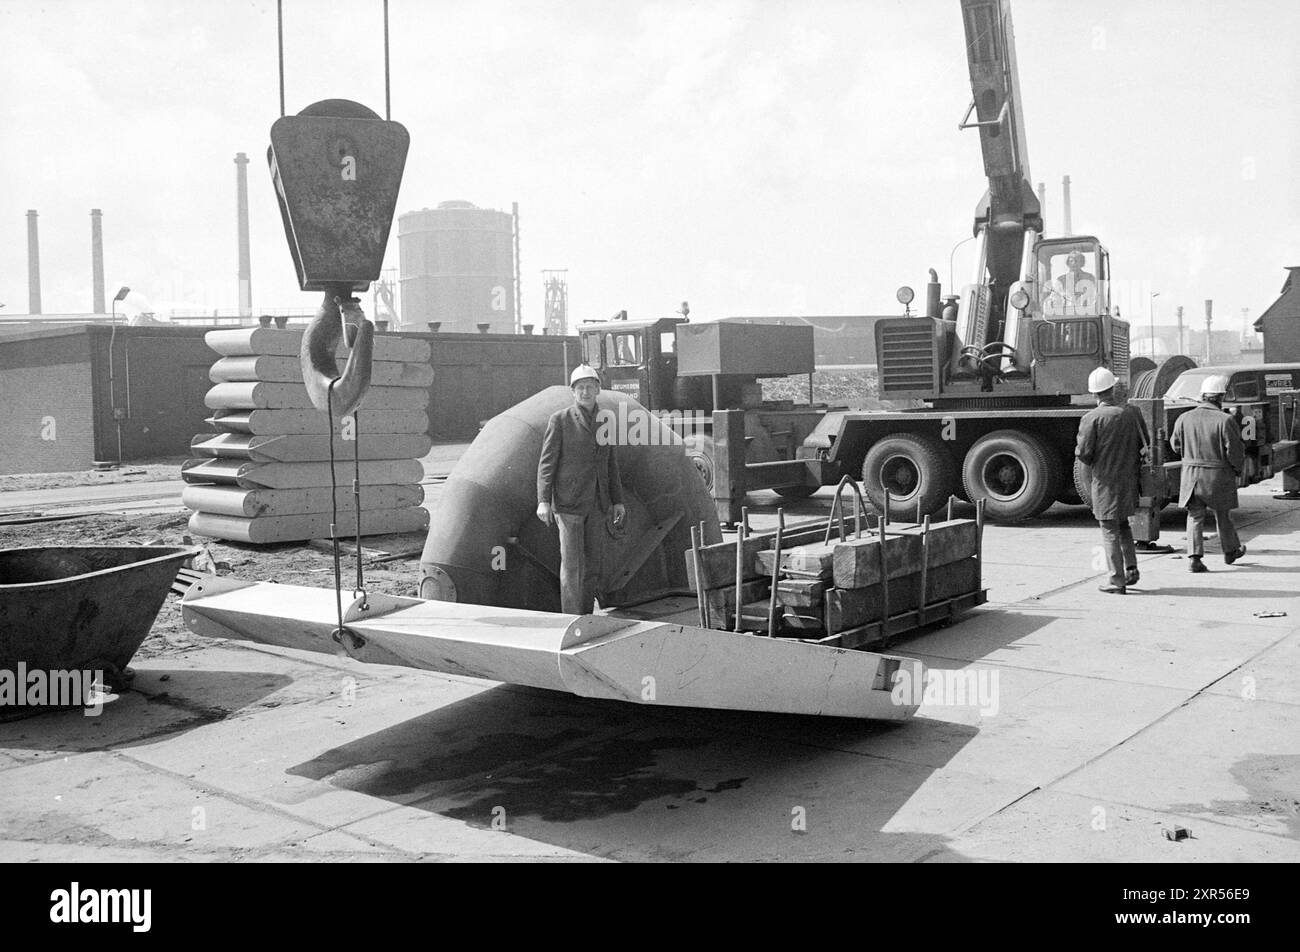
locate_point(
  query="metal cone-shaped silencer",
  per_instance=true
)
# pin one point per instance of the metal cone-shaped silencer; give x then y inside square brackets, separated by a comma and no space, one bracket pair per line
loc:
[337,168]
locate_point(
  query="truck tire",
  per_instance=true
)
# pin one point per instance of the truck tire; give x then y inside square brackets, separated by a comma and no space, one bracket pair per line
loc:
[699,450]
[1013,472]
[1083,483]
[914,468]
[1057,479]
[795,492]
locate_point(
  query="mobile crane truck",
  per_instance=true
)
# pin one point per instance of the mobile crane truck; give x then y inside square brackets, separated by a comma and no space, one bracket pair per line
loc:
[1001,370]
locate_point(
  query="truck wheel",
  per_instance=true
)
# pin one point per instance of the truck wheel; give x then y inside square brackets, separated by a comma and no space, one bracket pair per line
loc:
[699,450]
[1083,483]
[1069,494]
[1012,472]
[913,468]
[795,492]
[1056,479]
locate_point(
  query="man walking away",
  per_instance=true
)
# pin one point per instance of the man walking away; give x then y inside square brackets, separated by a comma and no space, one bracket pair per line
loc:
[577,483]
[1110,444]
[1209,441]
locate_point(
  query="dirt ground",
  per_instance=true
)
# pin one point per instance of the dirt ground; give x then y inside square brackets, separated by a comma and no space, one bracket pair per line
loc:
[289,563]
[131,473]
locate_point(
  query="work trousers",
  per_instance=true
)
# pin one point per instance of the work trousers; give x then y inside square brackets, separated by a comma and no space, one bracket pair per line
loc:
[1121,554]
[1228,540]
[580,552]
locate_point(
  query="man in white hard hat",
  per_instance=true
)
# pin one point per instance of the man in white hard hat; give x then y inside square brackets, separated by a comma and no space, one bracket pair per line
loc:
[1110,448]
[577,484]
[1209,441]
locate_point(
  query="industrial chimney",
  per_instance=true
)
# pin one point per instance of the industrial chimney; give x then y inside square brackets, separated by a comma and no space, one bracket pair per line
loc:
[33,264]
[1065,212]
[245,266]
[97,257]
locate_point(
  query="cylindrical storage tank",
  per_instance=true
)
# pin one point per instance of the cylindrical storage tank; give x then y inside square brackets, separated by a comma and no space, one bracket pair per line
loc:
[457,267]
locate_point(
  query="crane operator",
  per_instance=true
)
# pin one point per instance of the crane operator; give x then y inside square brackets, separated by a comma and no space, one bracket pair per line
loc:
[1074,292]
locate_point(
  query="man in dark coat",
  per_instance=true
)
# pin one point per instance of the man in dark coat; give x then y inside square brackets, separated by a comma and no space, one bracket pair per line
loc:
[1209,441]
[577,483]
[1110,446]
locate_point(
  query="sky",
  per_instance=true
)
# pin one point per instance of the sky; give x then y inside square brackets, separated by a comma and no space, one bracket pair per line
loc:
[754,157]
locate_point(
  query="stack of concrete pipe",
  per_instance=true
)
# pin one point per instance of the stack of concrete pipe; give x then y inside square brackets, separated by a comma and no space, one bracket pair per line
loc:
[263,474]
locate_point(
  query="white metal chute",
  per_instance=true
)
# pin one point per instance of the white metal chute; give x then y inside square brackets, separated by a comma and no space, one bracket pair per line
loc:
[598,656]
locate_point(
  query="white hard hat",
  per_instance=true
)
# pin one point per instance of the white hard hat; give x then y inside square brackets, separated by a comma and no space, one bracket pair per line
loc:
[1214,384]
[1100,380]
[583,372]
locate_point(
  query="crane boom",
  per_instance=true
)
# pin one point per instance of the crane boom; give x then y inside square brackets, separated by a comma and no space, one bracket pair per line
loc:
[1010,207]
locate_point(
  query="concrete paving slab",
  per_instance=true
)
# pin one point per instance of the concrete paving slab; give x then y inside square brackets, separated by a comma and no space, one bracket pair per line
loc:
[1168,593]
[129,720]
[1040,726]
[1113,645]
[1273,675]
[1233,761]
[260,757]
[675,790]
[1009,584]
[106,800]
[428,836]
[1050,826]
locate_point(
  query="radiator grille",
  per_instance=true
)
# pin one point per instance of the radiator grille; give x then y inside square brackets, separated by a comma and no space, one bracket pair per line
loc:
[907,357]
[1119,349]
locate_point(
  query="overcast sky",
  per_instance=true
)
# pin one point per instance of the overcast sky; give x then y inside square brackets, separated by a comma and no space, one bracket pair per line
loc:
[750,156]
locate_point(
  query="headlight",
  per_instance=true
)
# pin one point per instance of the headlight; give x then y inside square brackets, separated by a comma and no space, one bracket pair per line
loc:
[1019,297]
[905,295]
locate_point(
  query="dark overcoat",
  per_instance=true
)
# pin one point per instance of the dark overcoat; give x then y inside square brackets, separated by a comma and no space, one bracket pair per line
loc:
[1209,441]
[1110,447]
[577,473]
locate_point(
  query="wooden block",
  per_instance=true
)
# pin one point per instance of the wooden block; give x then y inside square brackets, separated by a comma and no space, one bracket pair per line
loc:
[849,608]
[754,614]
[722,601]
[948,541]
[719,558]
[801,594]
[812,561]
[856,563]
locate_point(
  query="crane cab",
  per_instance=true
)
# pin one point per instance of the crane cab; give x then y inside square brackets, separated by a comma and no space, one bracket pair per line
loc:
[1059,323]
[636,358]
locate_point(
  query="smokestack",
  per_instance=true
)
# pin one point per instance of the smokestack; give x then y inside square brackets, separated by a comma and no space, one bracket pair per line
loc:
[1209,319]
[1182,346]
[1065,187]
[33,264]
[97,257]
[519,314]
[245,265]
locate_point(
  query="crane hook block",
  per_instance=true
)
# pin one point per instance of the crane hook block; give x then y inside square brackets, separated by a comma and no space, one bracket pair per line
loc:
[337,168]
